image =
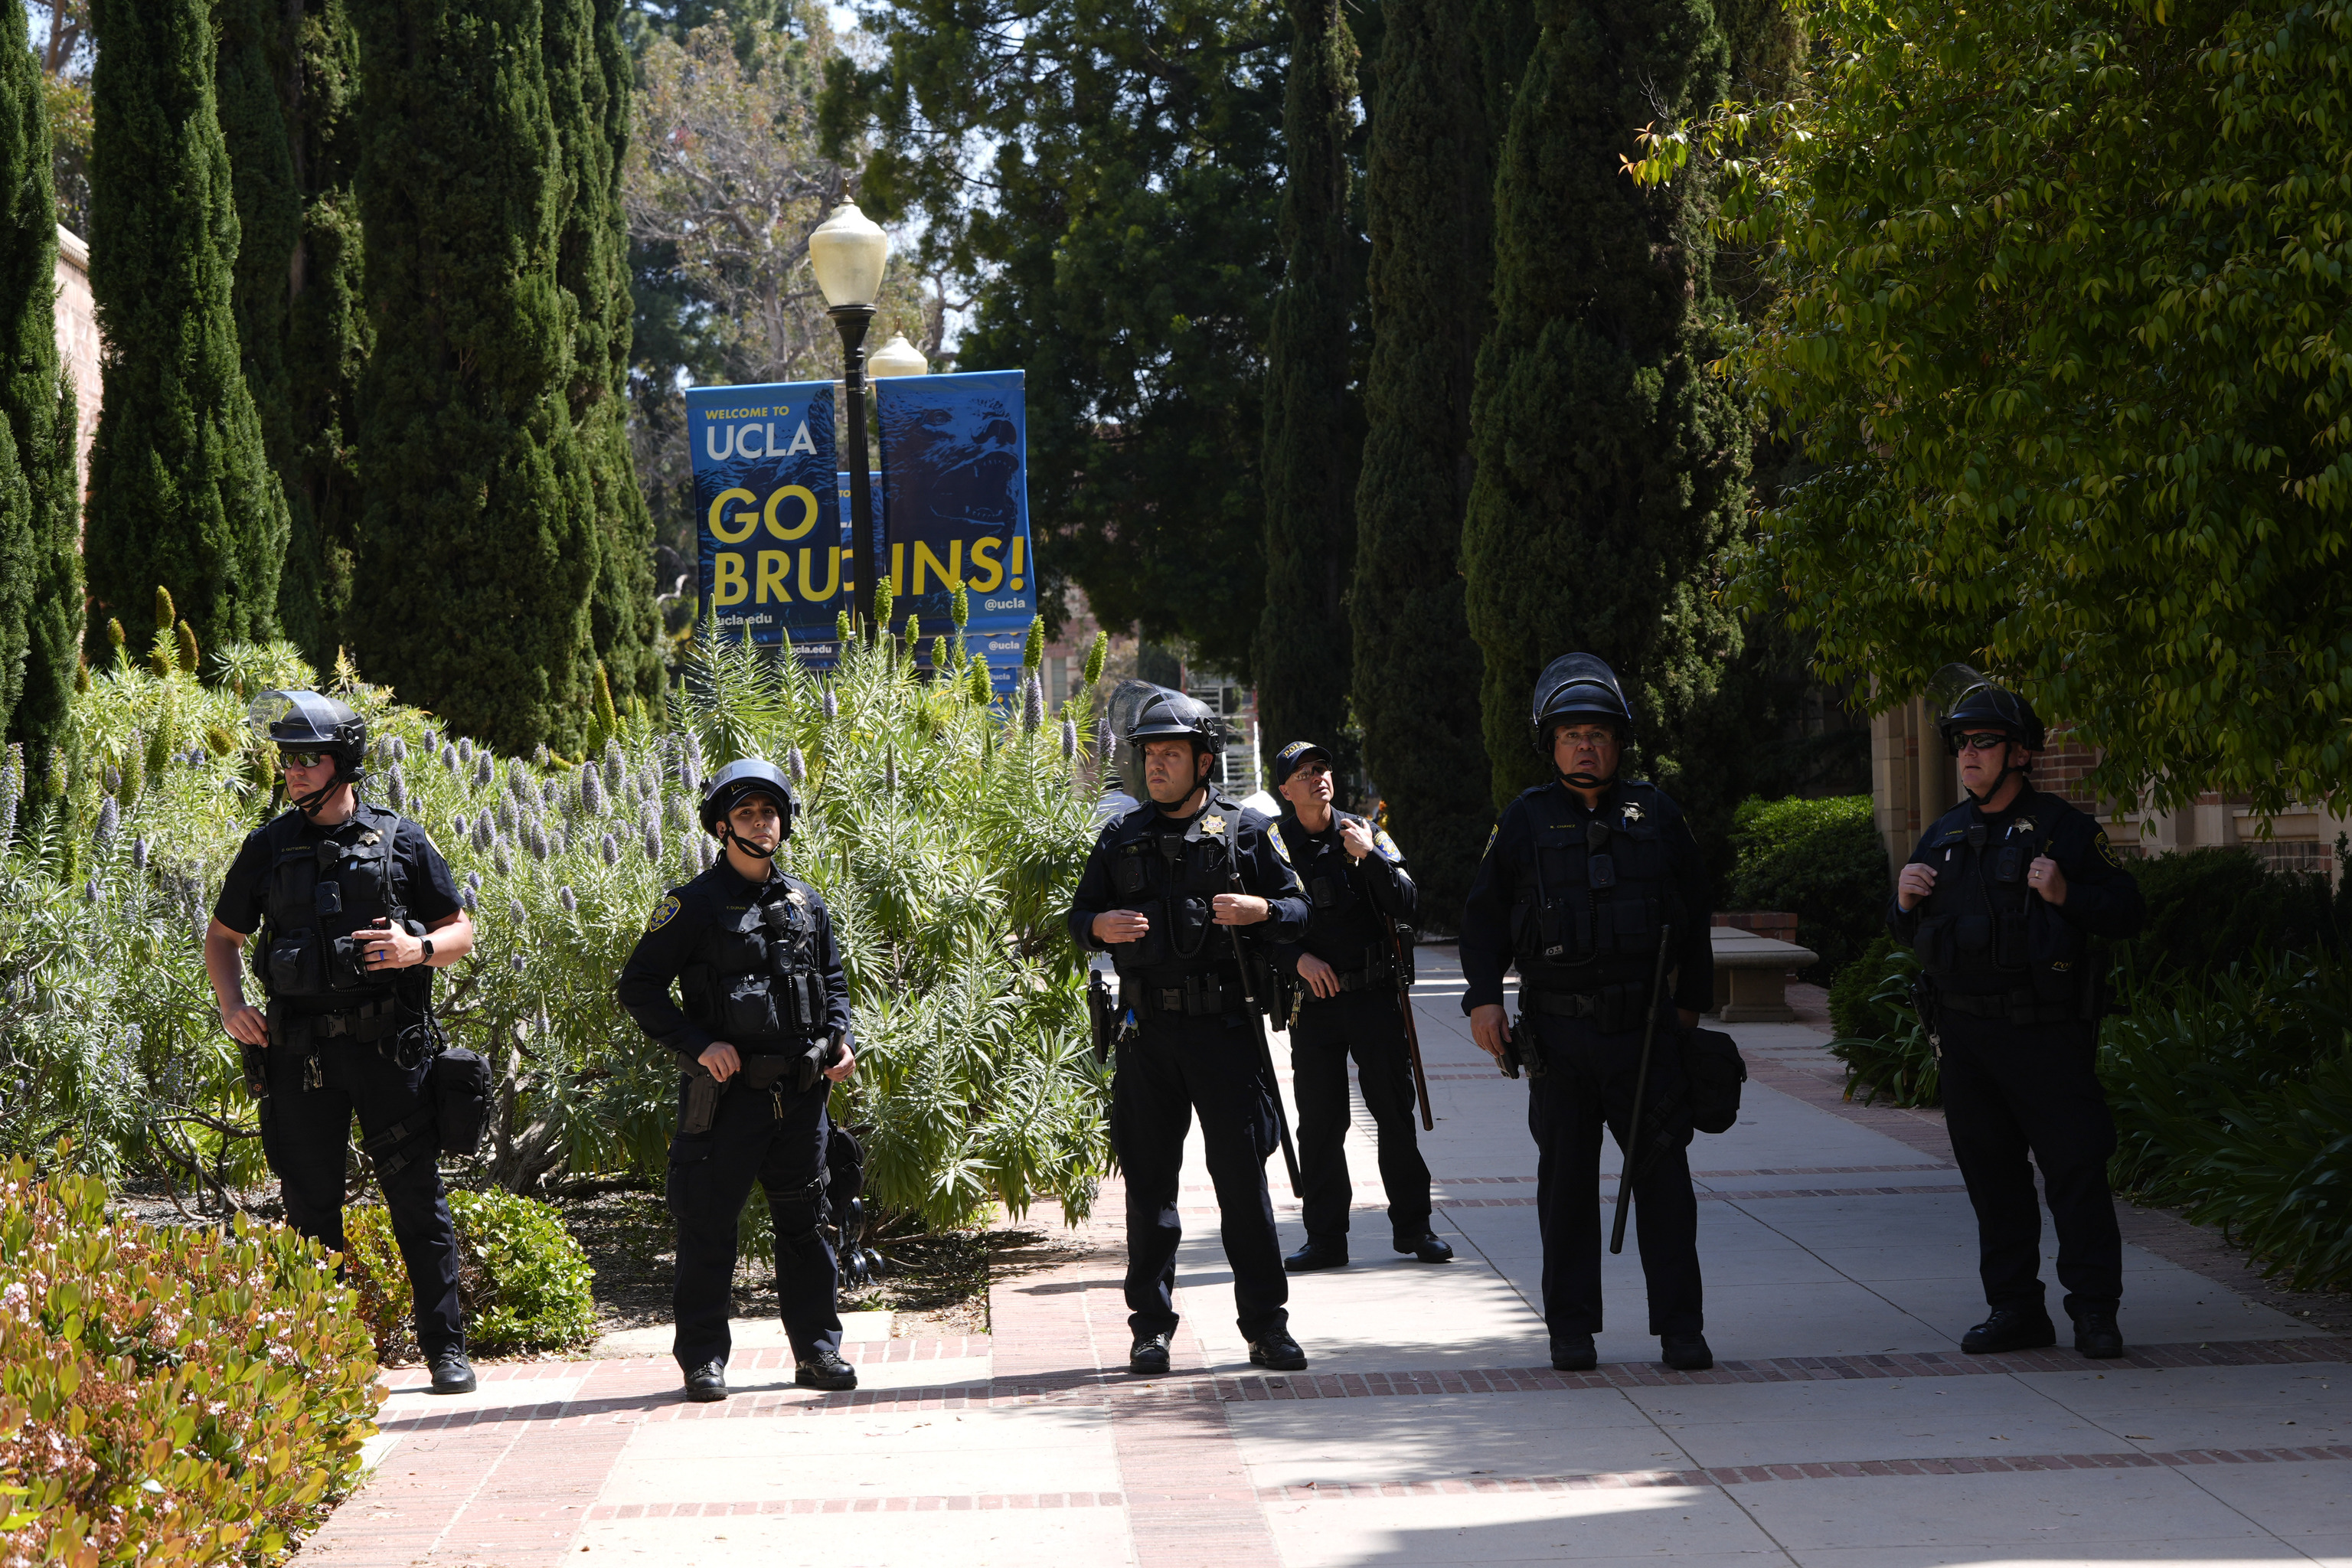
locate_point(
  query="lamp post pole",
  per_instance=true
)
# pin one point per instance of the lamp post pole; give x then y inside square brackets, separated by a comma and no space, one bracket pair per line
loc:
[852,321]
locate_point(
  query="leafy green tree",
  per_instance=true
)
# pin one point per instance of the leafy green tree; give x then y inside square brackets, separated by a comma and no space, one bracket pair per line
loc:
[181,489]
[1609,461]
[40,489]
[1313,423]
[2058,292]
[479,541]
[1120,242]
[1429,207]
[589,81]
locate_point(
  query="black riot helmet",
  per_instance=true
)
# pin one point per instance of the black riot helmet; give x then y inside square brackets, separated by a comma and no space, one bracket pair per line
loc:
[1965,700]
[731,786]
[1168,715]
[1577,686]
[309,722]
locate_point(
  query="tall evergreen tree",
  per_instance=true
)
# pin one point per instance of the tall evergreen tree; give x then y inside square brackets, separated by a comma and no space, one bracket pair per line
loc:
[40,500]
[181,489]
[478,540]
[287,76]
[1312,435]
[1609,461]
[589,80]
[1429,205]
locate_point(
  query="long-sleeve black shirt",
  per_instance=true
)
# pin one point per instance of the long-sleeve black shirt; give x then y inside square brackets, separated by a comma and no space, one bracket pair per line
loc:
[675,929]
[2102,898]
[1264,872]
[1343,927]
[1506,872]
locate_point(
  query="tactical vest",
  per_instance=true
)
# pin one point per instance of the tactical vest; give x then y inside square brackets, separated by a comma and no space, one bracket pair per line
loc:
[1343,928]
[1173,880]
[1982,931]
[1595,895]
[753,980]
[324,888]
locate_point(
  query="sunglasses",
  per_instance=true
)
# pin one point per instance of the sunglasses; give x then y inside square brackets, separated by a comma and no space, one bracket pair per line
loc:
[287,760]
[1982,742]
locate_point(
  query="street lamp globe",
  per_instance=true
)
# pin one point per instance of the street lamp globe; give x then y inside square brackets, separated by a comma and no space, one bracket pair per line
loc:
[848,252]
[897,357]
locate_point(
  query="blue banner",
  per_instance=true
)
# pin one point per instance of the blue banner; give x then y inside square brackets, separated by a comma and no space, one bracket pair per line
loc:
[775,554]
[956,506]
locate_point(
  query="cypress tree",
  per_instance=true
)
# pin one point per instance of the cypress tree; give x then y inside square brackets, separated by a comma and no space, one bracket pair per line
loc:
[590,80]
[287,77]
[1609,462]
[181,491]
[40,511]
[1429,206]
[1312,433]
[478,539]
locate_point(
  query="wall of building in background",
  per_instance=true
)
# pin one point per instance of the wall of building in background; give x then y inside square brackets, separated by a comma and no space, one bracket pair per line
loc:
[1913,783]
[78,344]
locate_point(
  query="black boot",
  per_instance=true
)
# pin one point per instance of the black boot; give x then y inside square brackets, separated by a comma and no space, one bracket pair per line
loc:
[1149,1358]
[1685,1353]
[1425,1245]
[2011,1329]
[1320,1252]
[706,1384]
[2096,1334]
[826,1370]
[452,1372]
[1277,1352]
[1573,1353]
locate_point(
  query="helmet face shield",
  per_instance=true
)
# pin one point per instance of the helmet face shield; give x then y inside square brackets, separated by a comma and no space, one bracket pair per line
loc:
[1577,686]
[1963,700]
[738,782]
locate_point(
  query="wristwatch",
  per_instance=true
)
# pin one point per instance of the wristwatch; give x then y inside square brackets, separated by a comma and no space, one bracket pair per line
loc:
[428,950]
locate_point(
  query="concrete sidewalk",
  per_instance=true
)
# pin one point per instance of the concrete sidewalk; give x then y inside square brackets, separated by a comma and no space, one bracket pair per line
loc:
[1841,1427]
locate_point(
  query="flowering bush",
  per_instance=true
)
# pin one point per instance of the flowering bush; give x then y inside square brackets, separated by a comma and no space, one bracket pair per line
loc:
[944,832]
[525,1280]
[178,1396]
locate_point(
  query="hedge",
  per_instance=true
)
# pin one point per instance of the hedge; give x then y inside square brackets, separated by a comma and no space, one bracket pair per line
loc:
[1820,860]
[168,1395]
[525,1282]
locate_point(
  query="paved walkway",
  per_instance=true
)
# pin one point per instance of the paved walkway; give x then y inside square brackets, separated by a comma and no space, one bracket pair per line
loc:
[1842,1427]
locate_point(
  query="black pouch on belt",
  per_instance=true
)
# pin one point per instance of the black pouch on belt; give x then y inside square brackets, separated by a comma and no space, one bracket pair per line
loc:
[461,1099]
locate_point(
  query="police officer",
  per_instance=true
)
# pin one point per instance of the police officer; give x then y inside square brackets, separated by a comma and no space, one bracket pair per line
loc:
[1347,976]
[761,1040]
[1999,900]
[356,909]
[1163,892]
[1582,879]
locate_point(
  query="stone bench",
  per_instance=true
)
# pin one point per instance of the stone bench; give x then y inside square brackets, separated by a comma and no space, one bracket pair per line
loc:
[1751,975]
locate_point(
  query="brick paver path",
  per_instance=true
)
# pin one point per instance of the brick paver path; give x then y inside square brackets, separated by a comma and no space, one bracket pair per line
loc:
[1839,1255]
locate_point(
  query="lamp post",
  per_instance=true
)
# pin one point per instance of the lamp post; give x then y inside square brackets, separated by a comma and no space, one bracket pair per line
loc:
[847,253]
[897,357]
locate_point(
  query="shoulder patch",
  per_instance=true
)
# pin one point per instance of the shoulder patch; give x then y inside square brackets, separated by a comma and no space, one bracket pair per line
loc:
[663,912]
[1274,836]
[1492,834]
[1386,847]
[2106,850]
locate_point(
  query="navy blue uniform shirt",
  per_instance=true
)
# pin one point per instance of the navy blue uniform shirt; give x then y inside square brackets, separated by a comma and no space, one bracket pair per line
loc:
[675,929]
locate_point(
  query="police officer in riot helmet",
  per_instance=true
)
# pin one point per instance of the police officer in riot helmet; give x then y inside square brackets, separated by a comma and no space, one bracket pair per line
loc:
[2001,900]
[356,908]
[763,1036]
[1159,894]
[1583,879]
[1348,988]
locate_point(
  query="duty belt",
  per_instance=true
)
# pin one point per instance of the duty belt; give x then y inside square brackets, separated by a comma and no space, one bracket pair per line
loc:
[2009,1006]
[1561,1003]
[1200,997]
[1370,976]
[370,1022]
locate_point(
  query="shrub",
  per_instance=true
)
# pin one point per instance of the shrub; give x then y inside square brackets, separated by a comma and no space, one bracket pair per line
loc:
[1879,1036]
[2232,1096]
[2210,909]
[1820,860]
[178,1396]
[524,1279]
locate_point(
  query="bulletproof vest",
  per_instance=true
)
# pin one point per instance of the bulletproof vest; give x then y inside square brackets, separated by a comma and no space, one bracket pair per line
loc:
[1596,893]
[1173,880]
[324,886]
[1982,929]
[1343,926]
[754,979]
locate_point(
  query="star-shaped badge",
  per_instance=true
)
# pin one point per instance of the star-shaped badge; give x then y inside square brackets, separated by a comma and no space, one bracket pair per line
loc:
[1212,827]
[1632,812]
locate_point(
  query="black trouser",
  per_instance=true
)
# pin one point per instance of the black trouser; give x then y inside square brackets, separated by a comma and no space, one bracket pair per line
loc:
[2010,1090]
[1366,1025]
[1588,1078]
[775,1137]
[1174,1066]
[306,1135]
